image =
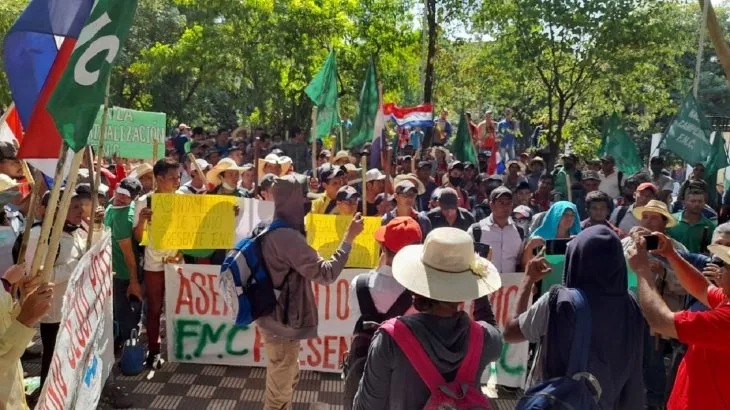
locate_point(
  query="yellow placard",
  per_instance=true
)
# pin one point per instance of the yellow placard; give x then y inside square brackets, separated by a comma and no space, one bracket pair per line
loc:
[192,221]
[325,233]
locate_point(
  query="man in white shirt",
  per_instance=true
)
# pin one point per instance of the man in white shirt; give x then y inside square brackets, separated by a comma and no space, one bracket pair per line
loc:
[499,232]
[611,179]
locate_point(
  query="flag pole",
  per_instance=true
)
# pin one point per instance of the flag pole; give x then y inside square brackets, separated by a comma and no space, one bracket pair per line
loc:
[363,171]
[55,237]
[42,248]
[95,172]
[30,218]
[314,141]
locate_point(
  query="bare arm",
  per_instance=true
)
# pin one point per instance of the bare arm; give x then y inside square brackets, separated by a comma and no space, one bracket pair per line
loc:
[691,279]
[126,246]
[512,331]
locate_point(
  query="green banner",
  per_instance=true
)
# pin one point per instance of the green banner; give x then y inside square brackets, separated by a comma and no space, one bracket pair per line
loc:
[130,133]
[688,136]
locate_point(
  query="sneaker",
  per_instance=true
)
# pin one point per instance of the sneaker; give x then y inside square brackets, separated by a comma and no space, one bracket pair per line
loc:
[115,397]
[155,361]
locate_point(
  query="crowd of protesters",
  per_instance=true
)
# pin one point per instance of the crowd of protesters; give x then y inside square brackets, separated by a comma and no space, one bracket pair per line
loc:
[668,349]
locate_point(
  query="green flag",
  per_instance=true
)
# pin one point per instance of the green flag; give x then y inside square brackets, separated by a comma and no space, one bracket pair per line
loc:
[463,147]
[362,127]
[688,135]
[617,143]
[718,157]
[323,93]
[81,90]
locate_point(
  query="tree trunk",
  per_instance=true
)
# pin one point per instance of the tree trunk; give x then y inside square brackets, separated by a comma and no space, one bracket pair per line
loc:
[428,78]
[718,39]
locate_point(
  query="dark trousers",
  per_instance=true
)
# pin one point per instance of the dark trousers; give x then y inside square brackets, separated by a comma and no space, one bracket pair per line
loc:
[49,331]
[154,283]
[126,317]
[655,371]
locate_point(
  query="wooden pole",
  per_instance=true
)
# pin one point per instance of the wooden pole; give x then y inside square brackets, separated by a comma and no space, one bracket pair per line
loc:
[314,141]
[256,141]
[42,248]
[363,170]
[30,218]
[55,238]
[155,157]
[194,165]
[95,172]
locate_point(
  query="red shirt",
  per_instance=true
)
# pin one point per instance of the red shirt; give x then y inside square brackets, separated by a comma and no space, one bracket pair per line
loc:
[703,379]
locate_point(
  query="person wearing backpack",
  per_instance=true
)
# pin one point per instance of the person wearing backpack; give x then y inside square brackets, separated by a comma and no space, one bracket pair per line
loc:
[376,296]
[613,340]
[292,266]
[434,357]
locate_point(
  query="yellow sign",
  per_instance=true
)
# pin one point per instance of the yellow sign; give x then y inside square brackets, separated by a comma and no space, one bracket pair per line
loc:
[325,233]
[192,221]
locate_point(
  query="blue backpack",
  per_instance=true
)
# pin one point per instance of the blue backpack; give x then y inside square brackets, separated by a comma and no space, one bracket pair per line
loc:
[578,389]
[244,277]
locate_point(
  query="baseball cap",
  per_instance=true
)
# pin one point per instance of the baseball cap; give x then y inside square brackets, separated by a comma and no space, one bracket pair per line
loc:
[591,175]
[468,165]
[383,197]
[130,187]
[457,165]
[448,199]
[347,193]
[267,181]
[374,175]
[203,164]
[499,192]
[8,150]
[399,233]
[656,159]
[647,185]
[522,185]
[523,211]
[424,164]
[405,186]
[328,171]
[325,153]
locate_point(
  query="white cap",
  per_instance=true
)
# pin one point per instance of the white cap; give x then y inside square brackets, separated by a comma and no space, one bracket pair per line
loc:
[203,164]
[374,175]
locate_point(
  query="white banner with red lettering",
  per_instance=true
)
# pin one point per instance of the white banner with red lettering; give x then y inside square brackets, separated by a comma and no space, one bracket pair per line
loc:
[84,352]
[202,329]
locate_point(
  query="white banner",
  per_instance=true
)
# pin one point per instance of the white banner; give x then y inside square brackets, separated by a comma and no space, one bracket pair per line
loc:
[84,352]
[251,212]
[202,329]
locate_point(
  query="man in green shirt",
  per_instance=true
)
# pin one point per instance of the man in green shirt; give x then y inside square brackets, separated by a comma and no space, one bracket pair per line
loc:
[693,230]
[119,218]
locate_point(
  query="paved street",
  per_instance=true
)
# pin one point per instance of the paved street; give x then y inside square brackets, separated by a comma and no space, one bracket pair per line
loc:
[199,387]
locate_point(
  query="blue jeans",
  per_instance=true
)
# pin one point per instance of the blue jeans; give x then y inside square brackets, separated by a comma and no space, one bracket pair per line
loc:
[509,150]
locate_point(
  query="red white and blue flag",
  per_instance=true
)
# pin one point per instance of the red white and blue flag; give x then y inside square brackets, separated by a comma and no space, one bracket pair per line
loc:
[418,116]
[36,51]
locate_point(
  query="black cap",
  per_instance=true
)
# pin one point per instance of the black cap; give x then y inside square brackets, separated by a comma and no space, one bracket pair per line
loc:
[328,171]
[457,165]
[468,165]
[8,150]
[499,192]
[131,185]
[591,175]
[522,185]
[424,164]
[383,197]
[347,193]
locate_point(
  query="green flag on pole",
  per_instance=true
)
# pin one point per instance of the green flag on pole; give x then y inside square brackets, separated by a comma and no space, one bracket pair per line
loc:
[322,90]
[463,147]
[617,143]
[82,87]
[718,157]
[688,135]
[362,127]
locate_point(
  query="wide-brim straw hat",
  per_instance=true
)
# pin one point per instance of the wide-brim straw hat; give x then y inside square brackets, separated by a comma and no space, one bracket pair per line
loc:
[140,170]
[658,207]
[445,268]
[284,162]
[7,183]
[226,164]
[413,178]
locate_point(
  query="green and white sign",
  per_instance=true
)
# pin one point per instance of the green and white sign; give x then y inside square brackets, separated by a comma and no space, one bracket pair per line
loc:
[688,136]
[130,133]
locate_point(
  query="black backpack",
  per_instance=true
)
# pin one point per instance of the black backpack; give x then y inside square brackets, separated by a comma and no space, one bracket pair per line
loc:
[353,363]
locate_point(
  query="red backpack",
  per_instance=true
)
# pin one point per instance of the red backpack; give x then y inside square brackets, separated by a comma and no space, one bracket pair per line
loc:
[462,392]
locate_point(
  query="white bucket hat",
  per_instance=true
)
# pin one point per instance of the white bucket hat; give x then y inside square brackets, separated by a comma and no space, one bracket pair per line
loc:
[284,161]
[445,268]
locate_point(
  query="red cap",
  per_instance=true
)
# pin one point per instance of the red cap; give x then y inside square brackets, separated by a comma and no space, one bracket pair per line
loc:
[647,185]
[399,233]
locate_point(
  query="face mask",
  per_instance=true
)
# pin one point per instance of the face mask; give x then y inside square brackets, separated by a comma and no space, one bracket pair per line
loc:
[455,181]
[228,187]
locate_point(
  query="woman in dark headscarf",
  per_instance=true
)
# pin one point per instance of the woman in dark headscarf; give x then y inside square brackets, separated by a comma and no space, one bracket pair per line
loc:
[594,264]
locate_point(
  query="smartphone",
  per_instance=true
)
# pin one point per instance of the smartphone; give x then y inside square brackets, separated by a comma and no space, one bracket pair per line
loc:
[652,242]
[481,249]
[556,246]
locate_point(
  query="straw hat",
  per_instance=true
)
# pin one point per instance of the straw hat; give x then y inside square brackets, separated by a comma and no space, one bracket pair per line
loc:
[140,170]
[7,183]
[226,164]
[657,207]
[445,268]
[721,251]
[284,162]
[342,155]
[410,177]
